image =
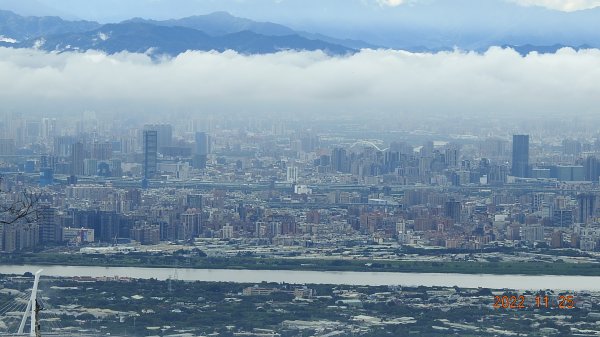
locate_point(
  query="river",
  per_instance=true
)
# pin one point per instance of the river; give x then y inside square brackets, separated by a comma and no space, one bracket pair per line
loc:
[517,282]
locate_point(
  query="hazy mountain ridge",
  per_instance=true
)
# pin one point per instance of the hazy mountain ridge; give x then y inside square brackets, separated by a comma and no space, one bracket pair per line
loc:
[26,27]
[528,48]
[222,23]
[142,37]
[221,31]
[218,31]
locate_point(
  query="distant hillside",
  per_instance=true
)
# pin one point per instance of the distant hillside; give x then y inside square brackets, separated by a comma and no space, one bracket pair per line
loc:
[222,23]
[20,28]
[222,31]
[218,31]
[144,37]
[528,48]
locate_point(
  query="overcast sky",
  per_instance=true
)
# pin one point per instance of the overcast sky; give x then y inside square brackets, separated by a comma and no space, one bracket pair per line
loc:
[393,83]
[279,10]
[271,8]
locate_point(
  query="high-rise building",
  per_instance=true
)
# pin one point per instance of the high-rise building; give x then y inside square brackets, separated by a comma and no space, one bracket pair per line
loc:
[201,150]
[18,236]
[203,146]
[520,156]
[146,234]
[339,160]
[191,224]
[102,151]
[164,133]
[194,201]
[115,166]
[63,145]
[46,176]
[32,130]
[533,233]
[50,229]
[452,210]
[90,167]
[150,153]
[592,169]
[451,156]
[77,157]
[292,174]
[562,217]
[557,240]
[309,142]
[586,207]
[7,147]
[108,226]
[571,147]
[49,128]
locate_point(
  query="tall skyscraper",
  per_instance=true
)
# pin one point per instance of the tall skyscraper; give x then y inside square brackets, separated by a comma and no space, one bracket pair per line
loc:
[164,134]
[592,169]
[452,155]
[202,144]
[586,203]
[452,210]
[520,156]
[339,160]
[49,128]
[7,147]
[62,145]
[50,229]
[90,167]
[202,150]
[102,151]
[150,153]
[292,174]
[77,157]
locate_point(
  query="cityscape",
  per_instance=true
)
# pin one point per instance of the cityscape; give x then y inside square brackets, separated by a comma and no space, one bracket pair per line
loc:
[280,191]
[360,168]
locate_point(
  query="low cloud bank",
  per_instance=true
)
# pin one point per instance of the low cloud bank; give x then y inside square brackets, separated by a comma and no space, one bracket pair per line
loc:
[382,82]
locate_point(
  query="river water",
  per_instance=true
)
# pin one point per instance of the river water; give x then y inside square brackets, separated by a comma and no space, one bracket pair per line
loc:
[518,282]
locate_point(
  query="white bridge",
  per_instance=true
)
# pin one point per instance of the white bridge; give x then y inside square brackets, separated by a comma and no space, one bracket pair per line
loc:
[32,311]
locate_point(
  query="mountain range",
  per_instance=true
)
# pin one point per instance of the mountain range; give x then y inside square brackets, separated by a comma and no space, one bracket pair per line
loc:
[217,31]
[21,28]
[220,31]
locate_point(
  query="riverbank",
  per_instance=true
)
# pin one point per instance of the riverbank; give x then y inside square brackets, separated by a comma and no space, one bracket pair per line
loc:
[252,263]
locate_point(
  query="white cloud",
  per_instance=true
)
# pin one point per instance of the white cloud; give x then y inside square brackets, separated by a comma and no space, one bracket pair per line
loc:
[391,3]
[561,5]
[369,83]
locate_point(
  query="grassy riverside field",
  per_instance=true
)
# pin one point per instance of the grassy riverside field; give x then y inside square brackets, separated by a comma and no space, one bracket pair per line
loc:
[256,263]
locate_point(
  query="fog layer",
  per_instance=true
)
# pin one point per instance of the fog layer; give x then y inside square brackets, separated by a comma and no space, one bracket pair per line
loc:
[370,83]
